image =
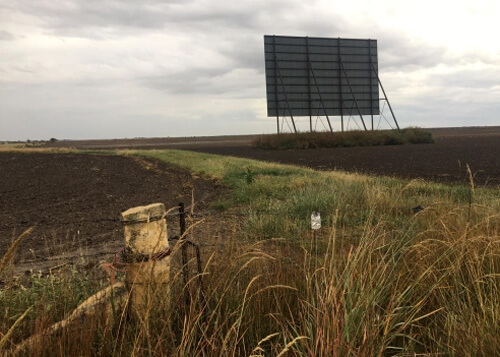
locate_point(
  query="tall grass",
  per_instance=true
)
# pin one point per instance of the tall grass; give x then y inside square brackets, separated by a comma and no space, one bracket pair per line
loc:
[315,140]
[376,280]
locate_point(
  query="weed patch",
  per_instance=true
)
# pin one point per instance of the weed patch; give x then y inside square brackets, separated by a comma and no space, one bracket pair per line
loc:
[316,140]
[378,279]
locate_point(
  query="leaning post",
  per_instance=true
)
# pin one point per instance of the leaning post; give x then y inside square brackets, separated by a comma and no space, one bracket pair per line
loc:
[146,250]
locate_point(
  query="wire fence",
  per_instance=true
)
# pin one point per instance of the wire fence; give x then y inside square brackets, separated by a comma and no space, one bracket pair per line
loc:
[115,256]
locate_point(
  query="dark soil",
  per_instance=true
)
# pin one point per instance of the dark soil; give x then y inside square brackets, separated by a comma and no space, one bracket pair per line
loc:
[73,201]
[444,161]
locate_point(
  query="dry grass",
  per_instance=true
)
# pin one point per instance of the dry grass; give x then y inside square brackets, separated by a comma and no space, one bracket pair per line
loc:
[315,140]
[35,149]
[376,280]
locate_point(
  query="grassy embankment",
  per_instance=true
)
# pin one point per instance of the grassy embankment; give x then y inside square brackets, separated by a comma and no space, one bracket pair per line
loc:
[377,279]
[316,140]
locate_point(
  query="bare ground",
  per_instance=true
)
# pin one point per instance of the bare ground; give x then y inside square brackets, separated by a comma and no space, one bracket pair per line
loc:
[444,161]
[73,201]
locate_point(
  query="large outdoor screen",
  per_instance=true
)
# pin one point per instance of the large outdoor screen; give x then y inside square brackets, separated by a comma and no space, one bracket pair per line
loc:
[309,76]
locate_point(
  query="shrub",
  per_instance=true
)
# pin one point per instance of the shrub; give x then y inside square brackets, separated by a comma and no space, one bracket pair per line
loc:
[314,140]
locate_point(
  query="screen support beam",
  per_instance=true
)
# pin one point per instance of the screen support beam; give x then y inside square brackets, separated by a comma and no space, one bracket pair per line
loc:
[385,95]
[284,92]
[319,94]
[276,85]
[370,74]
[309,86]
[353,96]
[340,88]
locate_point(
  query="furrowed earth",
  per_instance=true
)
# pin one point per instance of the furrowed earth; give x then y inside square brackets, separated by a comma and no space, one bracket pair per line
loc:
[73,201]
[444,161]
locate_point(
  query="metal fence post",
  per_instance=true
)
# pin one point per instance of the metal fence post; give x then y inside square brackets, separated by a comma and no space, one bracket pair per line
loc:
[182,241]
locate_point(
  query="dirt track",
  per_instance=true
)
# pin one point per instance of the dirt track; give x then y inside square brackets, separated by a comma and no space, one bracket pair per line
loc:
[74,202]
[445,161]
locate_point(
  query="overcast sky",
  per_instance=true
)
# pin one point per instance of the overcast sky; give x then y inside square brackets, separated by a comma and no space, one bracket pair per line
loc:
[74,69]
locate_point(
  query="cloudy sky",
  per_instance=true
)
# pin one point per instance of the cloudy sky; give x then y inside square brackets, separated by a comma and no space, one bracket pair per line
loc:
[74,69]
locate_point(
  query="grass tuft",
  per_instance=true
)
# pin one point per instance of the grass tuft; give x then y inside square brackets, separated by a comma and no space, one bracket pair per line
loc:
[317,140]
[9,254]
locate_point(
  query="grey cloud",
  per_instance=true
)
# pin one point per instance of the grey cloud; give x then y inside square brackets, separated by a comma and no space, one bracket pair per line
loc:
[398,53]
[246,51]
[204,51]
[437,112]
[6,36]
[213,82]
[62,15]
[75,17]
[193,81]
[469,78]
[474,57]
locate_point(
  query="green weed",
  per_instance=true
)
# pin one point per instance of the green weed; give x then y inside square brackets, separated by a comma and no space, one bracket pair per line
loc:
[315,140]
[378,279]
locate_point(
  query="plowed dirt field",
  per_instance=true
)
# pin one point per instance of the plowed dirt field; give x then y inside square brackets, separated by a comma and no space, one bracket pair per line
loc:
[444,161]
[74,201]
